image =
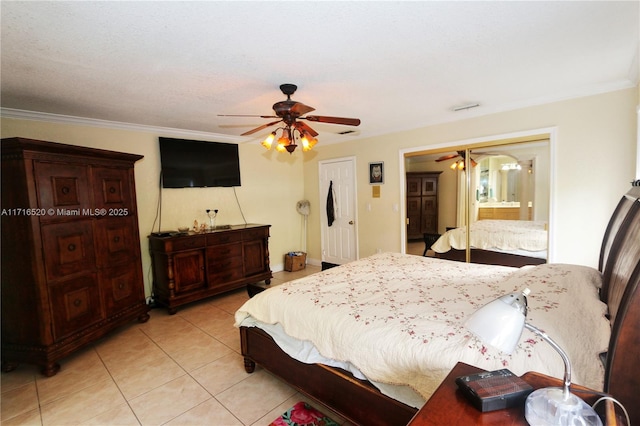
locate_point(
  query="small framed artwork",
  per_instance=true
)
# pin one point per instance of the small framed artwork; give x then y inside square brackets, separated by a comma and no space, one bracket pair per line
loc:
[376,173]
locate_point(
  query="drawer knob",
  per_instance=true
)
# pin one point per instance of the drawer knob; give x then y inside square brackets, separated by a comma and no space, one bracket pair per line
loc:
[116,239]
[65,190]
[77,302]
[112,190]
[71,247]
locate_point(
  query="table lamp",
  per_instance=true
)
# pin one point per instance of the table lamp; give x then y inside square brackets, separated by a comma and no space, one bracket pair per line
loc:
[499,323]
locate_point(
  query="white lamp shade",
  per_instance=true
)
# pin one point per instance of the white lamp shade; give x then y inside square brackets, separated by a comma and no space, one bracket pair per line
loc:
[498,324]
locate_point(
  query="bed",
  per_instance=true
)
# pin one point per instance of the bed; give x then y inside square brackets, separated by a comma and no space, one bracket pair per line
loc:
[367,386]
[496,242]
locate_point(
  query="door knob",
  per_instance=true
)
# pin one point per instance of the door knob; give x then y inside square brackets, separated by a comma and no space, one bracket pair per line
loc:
[350,222]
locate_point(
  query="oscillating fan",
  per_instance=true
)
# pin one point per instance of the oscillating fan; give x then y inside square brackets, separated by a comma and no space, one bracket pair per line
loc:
[303,207]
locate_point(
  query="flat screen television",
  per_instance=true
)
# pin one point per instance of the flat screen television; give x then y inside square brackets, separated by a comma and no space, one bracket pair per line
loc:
[198,164]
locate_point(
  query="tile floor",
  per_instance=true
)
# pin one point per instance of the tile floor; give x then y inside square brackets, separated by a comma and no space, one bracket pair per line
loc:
[182,369]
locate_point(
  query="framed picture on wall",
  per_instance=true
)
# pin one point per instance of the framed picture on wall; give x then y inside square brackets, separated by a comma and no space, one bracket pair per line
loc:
[376,173]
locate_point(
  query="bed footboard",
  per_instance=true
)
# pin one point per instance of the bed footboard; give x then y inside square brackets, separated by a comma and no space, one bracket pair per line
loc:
[489,257]
[356,400]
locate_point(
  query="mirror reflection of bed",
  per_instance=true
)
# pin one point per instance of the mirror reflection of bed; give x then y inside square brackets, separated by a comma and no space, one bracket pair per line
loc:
[507,204]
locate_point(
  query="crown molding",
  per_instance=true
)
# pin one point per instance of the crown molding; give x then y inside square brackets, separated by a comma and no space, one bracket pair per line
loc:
[21,114]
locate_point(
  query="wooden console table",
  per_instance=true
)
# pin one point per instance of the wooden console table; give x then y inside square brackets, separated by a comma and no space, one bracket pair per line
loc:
[193,266]
[449,406]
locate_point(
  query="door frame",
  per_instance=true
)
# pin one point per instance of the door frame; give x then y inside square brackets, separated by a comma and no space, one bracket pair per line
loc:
[323,200]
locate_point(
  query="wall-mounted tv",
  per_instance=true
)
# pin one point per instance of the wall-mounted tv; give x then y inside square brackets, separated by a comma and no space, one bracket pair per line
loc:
[188,163]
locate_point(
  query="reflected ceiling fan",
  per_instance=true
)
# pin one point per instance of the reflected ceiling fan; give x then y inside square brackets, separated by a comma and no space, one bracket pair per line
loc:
[460,163]
[290,112]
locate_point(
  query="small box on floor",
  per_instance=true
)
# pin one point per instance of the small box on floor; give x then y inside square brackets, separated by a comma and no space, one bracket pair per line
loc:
[295,261]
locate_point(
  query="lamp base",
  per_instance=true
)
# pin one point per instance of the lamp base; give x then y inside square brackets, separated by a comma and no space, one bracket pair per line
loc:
[548,407]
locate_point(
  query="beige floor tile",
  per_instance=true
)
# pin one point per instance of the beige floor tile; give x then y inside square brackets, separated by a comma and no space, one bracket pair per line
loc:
[121,415]
[126,347]
[24,374]
[221,374]
[210,412]
[162,324]
[210,319]
[82,405]
[30,418]
[78,371]
[232,301]
[169,401]
[255,396]
[18,401]
[145,375]
[193,348]
[231,339]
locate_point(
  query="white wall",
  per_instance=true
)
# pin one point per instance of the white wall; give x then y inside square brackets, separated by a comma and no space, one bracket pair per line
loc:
[595,152]
[271,185]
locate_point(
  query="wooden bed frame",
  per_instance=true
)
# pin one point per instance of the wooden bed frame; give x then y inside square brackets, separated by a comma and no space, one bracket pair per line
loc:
[491,257]
[361,403]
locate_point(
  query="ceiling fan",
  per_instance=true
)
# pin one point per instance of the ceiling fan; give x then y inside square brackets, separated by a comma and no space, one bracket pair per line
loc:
[290,112]
[458,164]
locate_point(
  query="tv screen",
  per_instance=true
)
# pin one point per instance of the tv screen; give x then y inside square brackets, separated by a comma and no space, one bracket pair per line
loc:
[188,163]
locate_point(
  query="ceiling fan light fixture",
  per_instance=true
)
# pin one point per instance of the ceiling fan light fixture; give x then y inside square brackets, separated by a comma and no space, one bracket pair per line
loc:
[307,141]
[291,113]
[268,141]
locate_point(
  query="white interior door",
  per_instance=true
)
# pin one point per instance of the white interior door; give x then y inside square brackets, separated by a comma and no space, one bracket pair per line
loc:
[339,241]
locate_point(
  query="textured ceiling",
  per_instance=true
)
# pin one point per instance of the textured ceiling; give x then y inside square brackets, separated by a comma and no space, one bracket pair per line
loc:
[395,65]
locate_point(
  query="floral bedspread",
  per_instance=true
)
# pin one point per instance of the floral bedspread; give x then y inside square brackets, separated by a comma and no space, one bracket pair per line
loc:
[400,318]
[496,234]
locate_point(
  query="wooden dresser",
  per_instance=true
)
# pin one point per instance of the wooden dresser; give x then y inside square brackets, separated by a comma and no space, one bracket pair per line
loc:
[71,269]
[422,204]
[191,266]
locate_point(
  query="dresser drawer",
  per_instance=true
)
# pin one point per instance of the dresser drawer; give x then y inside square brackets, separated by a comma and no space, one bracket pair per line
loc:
[223,277]
[179,244]
[254,234]
[223,252]
[224,264]
[224,237]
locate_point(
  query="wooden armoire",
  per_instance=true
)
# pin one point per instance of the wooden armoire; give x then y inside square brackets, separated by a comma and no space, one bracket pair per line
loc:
[71,268]
[422,204]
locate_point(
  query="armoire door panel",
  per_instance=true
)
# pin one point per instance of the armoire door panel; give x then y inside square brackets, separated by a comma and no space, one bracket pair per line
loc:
[121,287]
[68,247]
[116,241]
[111,188]
[63,189]
[75,304]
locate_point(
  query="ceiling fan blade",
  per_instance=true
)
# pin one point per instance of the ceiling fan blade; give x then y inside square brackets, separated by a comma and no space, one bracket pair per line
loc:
[264,126]
[334,120]
[300,108]
[446,157]
[247,115]
[304,127]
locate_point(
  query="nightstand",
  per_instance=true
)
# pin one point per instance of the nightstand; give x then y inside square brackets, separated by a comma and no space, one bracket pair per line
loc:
[448,406]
